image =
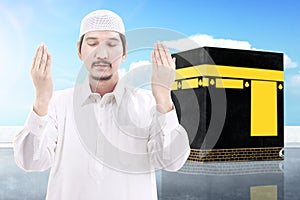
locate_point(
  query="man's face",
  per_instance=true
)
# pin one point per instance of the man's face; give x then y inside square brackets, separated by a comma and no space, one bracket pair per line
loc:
[102,54]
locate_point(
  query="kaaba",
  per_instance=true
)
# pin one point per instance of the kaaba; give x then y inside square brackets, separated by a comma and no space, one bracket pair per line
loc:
[230,101]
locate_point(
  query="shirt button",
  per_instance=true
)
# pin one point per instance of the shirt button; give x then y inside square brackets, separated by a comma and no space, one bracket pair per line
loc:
[40,126]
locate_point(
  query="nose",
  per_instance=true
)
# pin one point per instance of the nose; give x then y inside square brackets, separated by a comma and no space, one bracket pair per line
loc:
[101,52]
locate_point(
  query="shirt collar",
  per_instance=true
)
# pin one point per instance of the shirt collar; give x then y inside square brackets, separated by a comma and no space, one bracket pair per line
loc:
[85,95]
[119,91]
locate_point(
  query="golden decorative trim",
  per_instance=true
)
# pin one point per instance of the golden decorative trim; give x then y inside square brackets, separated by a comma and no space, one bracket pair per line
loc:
[239,154]
[230,72]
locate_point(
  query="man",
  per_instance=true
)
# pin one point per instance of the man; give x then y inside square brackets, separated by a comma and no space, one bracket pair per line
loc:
[103,138]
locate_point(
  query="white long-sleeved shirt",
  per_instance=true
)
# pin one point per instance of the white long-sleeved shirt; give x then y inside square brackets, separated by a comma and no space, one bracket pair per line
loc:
[102,147]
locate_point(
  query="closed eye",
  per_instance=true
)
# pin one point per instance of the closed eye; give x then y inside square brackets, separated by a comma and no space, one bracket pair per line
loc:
[92,44]
[110,44]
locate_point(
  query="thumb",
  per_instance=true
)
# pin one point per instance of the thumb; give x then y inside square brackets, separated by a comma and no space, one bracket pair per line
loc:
[174,60]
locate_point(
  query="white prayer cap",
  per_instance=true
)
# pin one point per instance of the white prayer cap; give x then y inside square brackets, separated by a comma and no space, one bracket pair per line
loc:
[102,20]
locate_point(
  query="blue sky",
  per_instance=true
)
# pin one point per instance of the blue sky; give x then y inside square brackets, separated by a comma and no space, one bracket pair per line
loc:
[270,25]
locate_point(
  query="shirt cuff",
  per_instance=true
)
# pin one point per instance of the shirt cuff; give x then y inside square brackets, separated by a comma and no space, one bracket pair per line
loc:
[168,122]
[36,124]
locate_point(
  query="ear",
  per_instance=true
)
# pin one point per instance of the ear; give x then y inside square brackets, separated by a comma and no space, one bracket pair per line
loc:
[125,54]
[78,51]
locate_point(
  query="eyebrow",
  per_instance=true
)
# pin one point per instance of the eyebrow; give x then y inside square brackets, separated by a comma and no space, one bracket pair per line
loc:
[95,38]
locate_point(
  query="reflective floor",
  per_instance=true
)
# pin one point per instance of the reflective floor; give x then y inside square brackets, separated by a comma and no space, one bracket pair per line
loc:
[261,180]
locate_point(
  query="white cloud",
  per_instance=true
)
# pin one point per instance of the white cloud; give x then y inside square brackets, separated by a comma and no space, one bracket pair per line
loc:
[288,63]
[138,78]
[140,63]
[201,40]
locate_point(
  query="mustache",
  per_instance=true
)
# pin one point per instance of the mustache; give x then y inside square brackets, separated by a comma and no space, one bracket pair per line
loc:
[101,62]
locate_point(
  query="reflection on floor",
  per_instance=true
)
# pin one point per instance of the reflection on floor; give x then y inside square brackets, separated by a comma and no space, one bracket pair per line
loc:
[235,180]
[260,180]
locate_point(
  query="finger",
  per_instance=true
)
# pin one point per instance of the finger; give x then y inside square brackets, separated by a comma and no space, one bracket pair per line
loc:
[168,55]
[39,58]
[154,63]
[163,55]
[157,54]
[174,61]
[43,61]
[48,65]
[34,58]
[35,61]
[153,60]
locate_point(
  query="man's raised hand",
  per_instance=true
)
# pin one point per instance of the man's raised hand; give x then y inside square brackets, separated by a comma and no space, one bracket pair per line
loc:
[163,76]
[42,81]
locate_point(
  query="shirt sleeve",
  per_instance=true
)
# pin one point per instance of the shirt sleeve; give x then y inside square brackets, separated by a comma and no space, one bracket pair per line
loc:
[34,146]
[168,144]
